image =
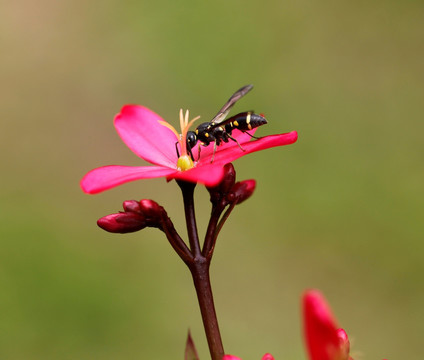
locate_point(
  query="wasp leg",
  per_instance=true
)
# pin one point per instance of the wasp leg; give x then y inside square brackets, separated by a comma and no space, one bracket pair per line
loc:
[214,150]
[252,136]
[190,151]
[176,148]
[198,153]
[235,140]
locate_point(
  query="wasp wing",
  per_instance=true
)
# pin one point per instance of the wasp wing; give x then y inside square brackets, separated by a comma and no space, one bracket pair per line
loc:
[222,114]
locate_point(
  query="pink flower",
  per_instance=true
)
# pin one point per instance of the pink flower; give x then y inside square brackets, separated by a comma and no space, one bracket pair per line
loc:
[324,339]
[231,357]
[149,137]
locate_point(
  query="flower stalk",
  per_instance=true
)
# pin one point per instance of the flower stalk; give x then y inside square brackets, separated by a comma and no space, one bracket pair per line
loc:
[199,267]
[200,274]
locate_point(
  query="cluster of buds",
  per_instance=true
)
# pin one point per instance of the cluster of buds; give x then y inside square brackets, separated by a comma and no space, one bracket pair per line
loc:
[228,191]
[136,216]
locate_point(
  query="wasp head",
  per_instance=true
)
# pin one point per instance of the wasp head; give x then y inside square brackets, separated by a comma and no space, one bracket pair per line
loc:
[191,139]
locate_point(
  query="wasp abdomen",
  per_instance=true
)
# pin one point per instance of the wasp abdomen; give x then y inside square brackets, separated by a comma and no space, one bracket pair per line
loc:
[244,122]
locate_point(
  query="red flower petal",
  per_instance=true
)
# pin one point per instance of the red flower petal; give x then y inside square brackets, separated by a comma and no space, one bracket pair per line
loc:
[233,152]
[106,177]
[210,174]
[140,130]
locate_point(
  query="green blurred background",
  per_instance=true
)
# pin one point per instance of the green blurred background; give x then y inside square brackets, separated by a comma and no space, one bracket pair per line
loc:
[341,210]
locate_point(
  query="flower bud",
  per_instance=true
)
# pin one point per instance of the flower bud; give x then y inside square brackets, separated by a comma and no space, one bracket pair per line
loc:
[229,178]
[227,182]
[136,216]
[151,210]
[241,191]
[122,223]
[132,206]
[344,344]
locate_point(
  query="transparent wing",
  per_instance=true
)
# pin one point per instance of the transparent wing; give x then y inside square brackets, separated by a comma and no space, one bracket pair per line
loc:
[222,114]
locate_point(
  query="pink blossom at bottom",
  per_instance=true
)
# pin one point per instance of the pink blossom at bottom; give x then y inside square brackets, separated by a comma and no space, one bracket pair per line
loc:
[267,356]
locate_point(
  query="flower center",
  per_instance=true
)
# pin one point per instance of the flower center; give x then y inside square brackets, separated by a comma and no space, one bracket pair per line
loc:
[184,161]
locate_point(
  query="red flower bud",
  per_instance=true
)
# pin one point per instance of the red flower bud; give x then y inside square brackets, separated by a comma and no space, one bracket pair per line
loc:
[137,216]
[241,191]
[152,211]
[150,208]
[227,182]
[344,344]
[229,178]
[122,222]
[132,206]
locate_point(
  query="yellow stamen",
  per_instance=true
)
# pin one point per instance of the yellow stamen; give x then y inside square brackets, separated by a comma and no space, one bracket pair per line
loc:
[181,120]
[184,161]
[170,127]
[186,118]
[192,122]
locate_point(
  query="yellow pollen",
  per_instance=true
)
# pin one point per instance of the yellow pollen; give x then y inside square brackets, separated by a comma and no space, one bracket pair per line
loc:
[185,163]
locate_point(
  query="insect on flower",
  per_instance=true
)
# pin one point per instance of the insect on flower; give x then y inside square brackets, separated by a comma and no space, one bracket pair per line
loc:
[139,126]
[219,129]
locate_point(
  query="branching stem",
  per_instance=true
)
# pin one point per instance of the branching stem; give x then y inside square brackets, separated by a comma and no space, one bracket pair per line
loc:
[199,267]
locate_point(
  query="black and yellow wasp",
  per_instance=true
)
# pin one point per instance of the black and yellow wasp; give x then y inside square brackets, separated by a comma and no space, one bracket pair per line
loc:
[219,129]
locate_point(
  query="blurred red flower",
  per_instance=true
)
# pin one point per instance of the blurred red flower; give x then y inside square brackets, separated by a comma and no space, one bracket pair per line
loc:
[324,339]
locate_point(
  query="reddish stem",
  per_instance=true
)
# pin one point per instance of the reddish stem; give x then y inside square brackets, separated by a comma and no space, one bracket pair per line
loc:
[200,273]
[199,268]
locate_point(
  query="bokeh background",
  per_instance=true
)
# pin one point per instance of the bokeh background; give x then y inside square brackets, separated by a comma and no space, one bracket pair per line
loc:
[341,210]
